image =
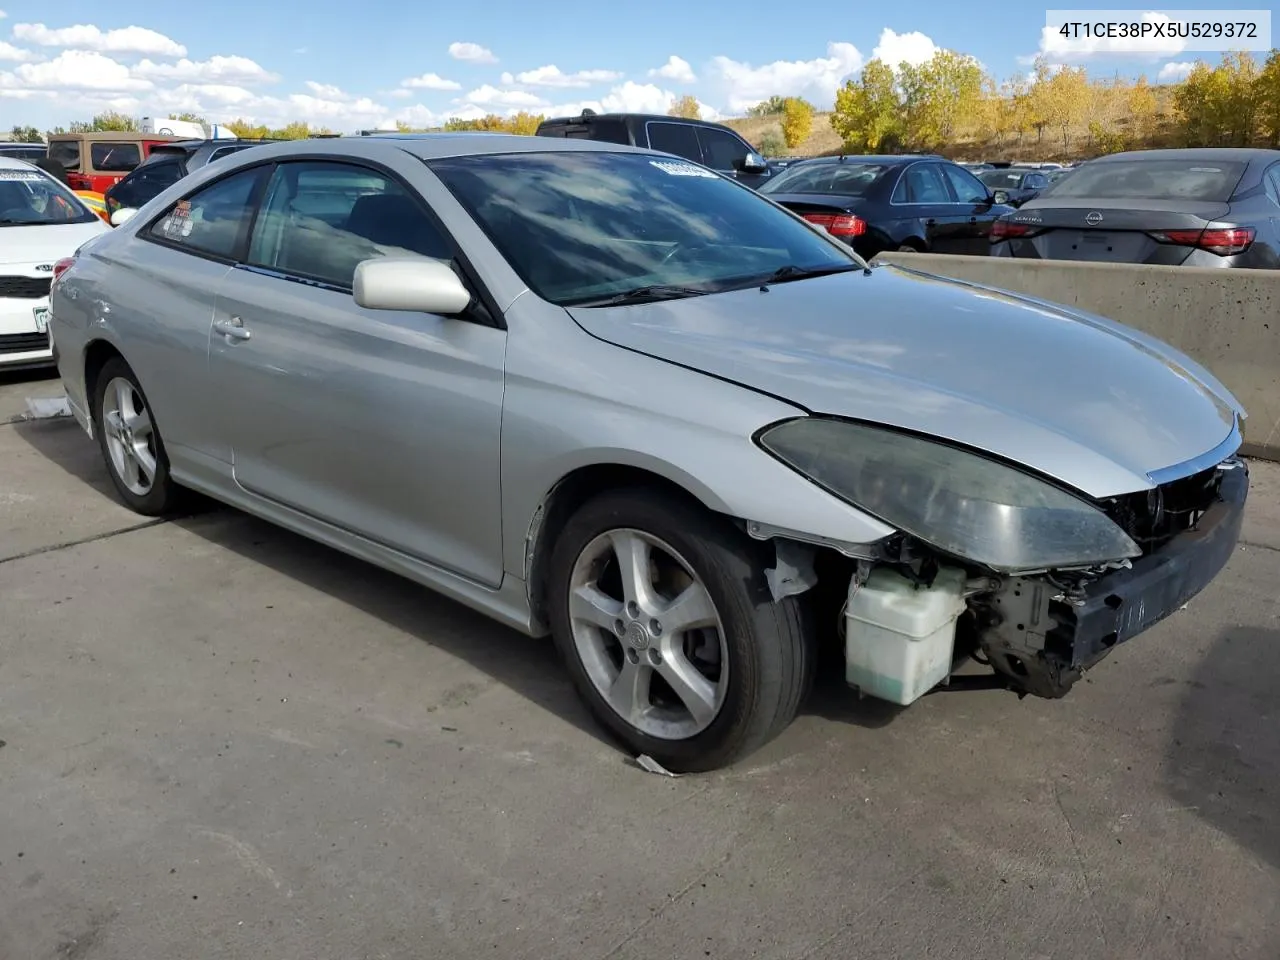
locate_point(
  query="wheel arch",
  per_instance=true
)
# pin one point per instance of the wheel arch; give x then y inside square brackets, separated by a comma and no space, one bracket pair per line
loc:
[576,488]
[96,355]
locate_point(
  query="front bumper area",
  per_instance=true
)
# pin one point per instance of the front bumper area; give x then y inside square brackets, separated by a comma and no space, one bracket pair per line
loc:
[1042,643]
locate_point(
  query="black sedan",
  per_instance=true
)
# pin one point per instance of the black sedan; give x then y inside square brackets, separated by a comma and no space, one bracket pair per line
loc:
[877,203]
[1211,207]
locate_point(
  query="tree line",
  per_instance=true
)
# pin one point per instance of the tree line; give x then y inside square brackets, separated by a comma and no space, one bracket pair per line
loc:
[947,101]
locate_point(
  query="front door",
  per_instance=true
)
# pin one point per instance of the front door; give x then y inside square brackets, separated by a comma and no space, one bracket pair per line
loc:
[923,197]
[977,212]
[382,423]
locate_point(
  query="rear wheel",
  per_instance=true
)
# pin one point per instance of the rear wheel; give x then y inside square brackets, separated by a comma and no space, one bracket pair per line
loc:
[130,442]
[663,616]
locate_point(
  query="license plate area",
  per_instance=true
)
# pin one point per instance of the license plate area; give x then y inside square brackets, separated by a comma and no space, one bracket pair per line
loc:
[41,315]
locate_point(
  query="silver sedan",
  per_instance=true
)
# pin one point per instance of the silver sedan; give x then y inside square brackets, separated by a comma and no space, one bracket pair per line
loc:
[607,394]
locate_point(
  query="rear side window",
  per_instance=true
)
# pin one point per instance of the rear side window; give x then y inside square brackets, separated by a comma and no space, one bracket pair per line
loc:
[1193,179]
[1272,183]
[608,131]
[66,152]
[114,157]
[213,220]
[678,138]
[320,219]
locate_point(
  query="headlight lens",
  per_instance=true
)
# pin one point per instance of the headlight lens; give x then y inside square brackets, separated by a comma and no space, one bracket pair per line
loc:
[958,502]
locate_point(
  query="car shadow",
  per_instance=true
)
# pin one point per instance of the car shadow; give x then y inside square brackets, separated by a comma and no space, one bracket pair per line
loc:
[530,667]
[1223,758]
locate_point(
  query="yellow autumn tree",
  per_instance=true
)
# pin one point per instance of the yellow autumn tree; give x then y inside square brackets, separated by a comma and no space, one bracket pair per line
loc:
[797,121]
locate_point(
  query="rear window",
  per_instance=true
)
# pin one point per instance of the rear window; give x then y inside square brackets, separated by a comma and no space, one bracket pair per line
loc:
[844,179]
[115,157]
[1204,180]
[1002,179]
[66,152]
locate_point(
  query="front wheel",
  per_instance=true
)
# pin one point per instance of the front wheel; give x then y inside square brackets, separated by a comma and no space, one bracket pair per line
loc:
[664,618]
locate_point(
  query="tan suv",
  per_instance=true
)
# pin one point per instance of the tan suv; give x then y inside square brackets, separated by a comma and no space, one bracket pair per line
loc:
[94,161]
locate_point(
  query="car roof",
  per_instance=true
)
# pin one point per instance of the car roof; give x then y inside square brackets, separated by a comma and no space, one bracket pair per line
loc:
[436,146]
[887,159]
[1238,154]
[13,163]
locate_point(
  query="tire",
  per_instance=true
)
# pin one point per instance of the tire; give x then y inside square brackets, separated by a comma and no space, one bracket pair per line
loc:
[766,645]
[131,446]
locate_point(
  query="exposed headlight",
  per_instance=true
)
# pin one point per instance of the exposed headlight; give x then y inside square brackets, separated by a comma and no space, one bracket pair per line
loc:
[958,502]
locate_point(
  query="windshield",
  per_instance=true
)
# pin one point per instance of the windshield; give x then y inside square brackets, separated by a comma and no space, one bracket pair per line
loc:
[1202,180]
[845,179]
[31,198]
[66,152]
[1002,179]
[584,226]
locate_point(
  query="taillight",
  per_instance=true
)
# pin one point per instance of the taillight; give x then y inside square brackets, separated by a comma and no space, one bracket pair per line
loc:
[1008,229]
[78,181]
[1224,241]
[839,224]
[61,267]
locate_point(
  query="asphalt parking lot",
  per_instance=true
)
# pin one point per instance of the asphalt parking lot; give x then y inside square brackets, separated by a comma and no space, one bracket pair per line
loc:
[223,741]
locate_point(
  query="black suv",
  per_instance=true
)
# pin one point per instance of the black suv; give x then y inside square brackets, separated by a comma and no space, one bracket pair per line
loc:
[710,144]
[167,164]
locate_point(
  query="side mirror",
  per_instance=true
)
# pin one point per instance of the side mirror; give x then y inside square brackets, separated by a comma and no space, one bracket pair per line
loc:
[122,216]
[421,284]
[1000,196]
[752,163]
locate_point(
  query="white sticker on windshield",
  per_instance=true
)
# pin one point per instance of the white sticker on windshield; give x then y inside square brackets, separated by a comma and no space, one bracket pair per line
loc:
[675,168]
[21,175]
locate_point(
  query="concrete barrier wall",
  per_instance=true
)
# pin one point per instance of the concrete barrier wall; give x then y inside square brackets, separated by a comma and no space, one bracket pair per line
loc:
[1228,320]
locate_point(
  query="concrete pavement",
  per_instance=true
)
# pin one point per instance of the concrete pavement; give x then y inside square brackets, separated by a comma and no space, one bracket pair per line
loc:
[223,741]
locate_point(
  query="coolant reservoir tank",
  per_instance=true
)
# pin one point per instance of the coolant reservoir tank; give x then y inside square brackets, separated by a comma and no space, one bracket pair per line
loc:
[900,637]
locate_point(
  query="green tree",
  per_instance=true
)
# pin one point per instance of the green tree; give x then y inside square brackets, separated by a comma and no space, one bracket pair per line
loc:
[189,117]
[768,108]
[246,130]
[107,121]
[1066,101]
[686,107]
[940,97]
[868,111]
[772,143]
[797,121]
[26,135]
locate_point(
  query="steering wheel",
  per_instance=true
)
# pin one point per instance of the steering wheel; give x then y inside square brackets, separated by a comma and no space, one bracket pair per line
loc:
[686,248]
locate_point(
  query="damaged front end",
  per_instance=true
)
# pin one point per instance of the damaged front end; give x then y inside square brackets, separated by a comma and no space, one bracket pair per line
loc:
[1042,631]
[993,563]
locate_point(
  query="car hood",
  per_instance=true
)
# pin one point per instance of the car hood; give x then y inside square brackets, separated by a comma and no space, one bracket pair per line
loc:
[45,243]
[1094,404]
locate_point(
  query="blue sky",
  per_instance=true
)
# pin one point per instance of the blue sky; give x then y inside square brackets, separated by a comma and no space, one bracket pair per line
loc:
[368,64]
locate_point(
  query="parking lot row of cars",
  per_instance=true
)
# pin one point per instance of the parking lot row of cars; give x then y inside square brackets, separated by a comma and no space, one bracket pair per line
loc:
[609,395]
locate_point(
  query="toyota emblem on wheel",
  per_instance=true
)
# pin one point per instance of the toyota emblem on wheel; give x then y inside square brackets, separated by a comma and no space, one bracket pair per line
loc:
[1093,219]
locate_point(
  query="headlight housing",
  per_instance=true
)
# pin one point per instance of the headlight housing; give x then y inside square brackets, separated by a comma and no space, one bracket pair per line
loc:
[958,502]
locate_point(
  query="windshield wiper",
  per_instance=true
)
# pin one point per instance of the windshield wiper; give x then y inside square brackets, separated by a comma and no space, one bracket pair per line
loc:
[792,272]
[659,291]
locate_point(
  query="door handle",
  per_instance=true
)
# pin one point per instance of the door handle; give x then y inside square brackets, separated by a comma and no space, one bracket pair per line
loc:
[232,329]
[973,219]
[931,222]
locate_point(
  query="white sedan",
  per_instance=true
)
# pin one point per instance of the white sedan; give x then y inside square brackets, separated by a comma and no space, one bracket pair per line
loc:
[41,221]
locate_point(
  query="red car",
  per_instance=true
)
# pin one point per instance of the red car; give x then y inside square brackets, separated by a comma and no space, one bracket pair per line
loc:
[94,161]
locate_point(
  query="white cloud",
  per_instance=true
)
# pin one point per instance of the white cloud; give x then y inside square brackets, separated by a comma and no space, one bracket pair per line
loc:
[216,69]
[326,90]
[1175,72]
[15,54]
[400,93]
[553,76]
[743,85]
[430,81]
[84,36]
[472,52]
[675,69]
[895,49]
[629,97]
[1054,44]
[491,96]
[75,70]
